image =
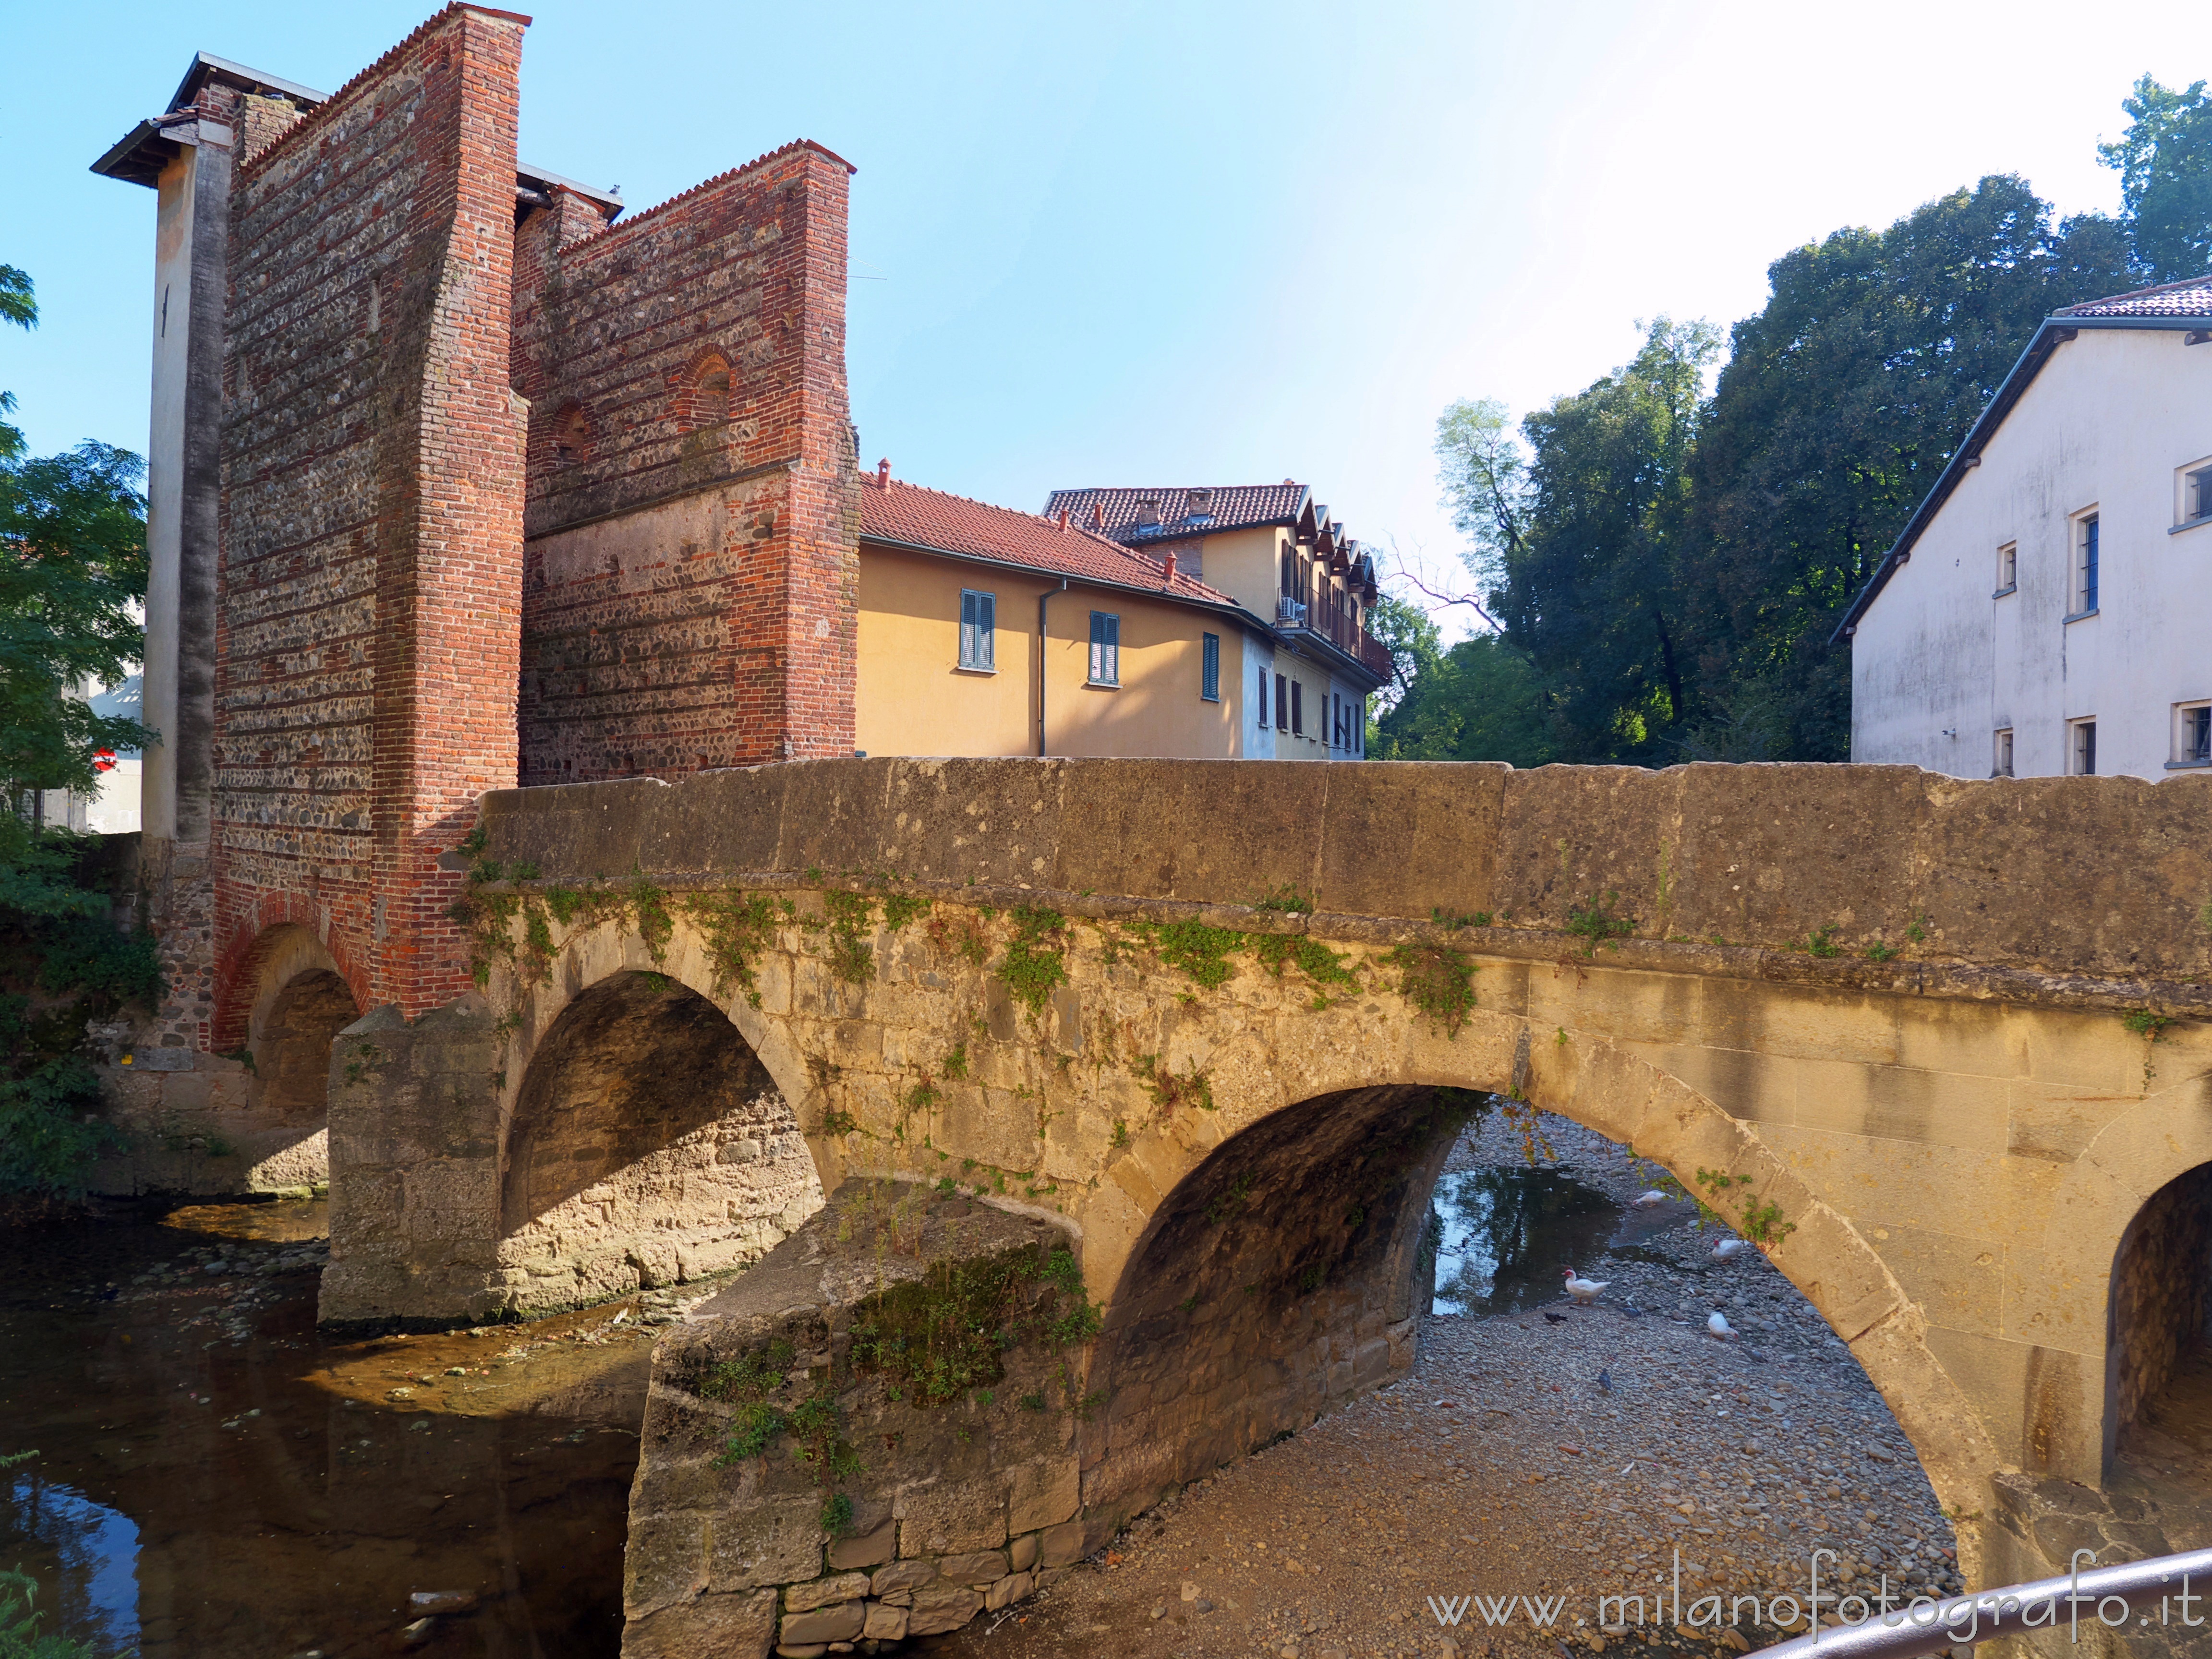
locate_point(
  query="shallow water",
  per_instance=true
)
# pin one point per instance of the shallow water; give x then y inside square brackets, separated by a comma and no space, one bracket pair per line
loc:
[1509,1231]
[214,1478]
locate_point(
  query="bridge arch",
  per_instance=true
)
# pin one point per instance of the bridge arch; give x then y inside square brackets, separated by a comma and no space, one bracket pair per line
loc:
[1310,1117]
[644,1137]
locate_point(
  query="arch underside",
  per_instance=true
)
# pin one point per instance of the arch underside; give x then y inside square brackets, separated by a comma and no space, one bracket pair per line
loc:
[648,1146]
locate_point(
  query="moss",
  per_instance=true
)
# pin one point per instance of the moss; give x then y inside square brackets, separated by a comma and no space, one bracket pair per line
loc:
[1285,898]
[1035,962]
[1437,981]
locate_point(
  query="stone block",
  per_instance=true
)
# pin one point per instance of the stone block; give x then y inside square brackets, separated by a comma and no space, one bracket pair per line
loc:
[901,1575]
[842,1623]
[885,1624]
[950,1518]
[665,1562]
[1024,1554]
[868,1549]
[1042,1495]
[942,1607]
[740,1627]
[824,1592]
[978,1569]
[1010,1588]
[768,1540]
[1061,1546]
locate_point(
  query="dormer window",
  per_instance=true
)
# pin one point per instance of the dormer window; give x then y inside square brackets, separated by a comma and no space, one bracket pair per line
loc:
[1198,504]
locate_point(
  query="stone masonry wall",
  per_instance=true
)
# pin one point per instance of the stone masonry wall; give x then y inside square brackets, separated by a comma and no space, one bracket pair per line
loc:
[689,594]
[2161,1295]
[957,1504]
[369,605]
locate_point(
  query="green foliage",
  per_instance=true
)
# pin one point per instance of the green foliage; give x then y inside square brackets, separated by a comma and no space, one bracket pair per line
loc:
[2145,1023]
[1760,1222]
[1456,920]
[1169,1092]
[1878,952]
[1482,700]
[1320,965]
[837,1516]
[1231,1199]
[852,918]
[1199,951]
[1439,982]
[947,1333]
[900,909]
[1821,941]
[747,1383]
[2164,162]
[955,1064]
[19,1615]
[736,928]
[63,963]
[17,305]
[1286,899]
[1035,962]
[1593,923]
[72,572]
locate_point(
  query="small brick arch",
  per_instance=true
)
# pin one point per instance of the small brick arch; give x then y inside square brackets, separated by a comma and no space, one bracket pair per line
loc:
[705,392]
[572,436]
[239,964]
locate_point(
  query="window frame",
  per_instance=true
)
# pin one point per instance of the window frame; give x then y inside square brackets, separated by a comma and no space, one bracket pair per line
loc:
[1105,650]
[2008,571]
[1209,667]
[2001,761]
[981,629]
[1260,704]
[2188,755]
[2187,484]
[2084,563]
[2082,747]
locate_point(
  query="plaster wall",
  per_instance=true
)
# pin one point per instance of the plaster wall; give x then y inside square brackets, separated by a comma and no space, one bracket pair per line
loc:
[914,698]
[1940,661]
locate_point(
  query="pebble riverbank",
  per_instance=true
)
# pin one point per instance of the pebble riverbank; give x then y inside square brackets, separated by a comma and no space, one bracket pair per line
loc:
[1504,1471]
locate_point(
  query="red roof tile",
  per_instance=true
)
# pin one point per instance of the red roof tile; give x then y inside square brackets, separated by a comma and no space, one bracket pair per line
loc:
[893,511]
[2192,298]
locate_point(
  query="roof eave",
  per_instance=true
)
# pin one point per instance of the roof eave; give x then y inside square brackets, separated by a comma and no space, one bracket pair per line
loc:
[1222,608]
[2052,332]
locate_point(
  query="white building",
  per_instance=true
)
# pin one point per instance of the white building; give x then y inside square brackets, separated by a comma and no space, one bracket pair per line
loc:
[2048,608]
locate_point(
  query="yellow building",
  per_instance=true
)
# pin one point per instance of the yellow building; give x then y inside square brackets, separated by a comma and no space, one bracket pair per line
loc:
[1280,554]
[987,631]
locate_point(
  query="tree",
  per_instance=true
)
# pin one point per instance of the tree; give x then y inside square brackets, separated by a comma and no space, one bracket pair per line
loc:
[17,305]
[72,570]
[1590,592]
[1841,401]
[1479,700]
[1411,637]
[2164,162]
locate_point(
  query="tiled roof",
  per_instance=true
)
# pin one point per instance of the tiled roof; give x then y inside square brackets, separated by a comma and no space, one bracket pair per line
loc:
[2192,298]
[893,511]
[1230,507]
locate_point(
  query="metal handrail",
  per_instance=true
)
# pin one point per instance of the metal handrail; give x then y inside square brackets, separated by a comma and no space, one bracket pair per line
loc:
[2062,1604]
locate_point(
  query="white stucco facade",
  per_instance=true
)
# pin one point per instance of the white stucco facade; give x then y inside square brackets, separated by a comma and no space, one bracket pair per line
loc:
[1946,655]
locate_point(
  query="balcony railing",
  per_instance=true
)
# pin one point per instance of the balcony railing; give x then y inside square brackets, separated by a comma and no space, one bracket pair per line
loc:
[1340,630]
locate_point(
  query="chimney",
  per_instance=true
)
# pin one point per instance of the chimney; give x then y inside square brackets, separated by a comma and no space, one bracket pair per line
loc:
[1063,521]
[1170,582]
[883,473]
[1148,514]
[1098,515]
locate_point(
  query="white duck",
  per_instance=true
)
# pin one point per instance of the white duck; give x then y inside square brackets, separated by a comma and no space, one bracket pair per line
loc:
[1728,1249]
[1649,1200]
[1719,1327]
[1584,1290]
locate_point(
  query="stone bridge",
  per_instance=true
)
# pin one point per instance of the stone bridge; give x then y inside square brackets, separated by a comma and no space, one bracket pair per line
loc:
[1212,1020]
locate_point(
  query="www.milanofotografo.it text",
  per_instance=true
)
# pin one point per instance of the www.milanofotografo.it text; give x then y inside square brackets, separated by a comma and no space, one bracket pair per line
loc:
[1962,1616]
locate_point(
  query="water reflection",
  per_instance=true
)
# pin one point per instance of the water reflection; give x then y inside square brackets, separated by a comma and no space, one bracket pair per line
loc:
[84,1555]
[1509,1231]
[197,1496]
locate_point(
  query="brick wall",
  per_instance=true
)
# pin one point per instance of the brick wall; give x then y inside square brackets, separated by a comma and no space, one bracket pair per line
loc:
[691,574]
[367,649]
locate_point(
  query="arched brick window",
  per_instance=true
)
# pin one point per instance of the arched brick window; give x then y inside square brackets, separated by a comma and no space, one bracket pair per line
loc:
[571,435]
[703,400]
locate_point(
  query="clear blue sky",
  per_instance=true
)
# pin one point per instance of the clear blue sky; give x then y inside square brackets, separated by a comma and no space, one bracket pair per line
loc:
[1145,243]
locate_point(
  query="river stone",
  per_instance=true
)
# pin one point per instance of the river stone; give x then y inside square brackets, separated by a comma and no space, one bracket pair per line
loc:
[842,1623]
[942,1607]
